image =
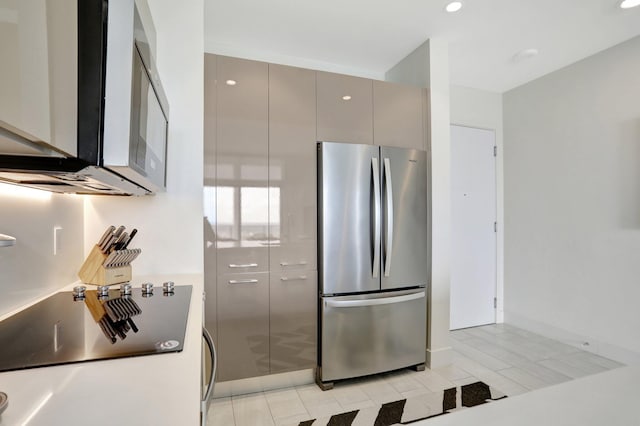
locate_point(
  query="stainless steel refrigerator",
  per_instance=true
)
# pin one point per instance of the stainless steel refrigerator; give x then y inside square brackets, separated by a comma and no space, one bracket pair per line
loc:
[372,259]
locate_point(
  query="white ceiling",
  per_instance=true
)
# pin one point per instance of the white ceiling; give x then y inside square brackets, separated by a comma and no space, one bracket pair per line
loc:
[368,37]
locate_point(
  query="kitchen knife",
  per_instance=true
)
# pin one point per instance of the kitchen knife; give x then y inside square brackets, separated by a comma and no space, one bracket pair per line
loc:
[109,260]
[107,244]
[119,243]
[106,234]
[133,233]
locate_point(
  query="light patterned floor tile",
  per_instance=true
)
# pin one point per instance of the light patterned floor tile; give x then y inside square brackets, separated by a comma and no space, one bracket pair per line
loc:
[220,412]
[509,359]
[380,392]
[319,409]
[284,403]
[251,410]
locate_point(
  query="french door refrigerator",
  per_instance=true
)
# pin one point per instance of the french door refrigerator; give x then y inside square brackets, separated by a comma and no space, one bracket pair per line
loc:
[373,259]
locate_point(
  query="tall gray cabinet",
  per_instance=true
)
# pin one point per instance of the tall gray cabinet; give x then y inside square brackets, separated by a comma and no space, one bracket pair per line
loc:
[262,123]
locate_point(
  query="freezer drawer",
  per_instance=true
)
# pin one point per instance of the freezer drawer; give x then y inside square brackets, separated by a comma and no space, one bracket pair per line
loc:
[372,333]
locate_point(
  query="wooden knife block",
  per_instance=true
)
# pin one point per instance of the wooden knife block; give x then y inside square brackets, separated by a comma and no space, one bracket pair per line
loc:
[93,271]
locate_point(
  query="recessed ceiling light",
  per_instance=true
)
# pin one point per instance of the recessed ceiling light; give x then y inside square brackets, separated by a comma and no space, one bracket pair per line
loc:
[628,4]
[231,82]
[454,6]
[524,54]
[346,98]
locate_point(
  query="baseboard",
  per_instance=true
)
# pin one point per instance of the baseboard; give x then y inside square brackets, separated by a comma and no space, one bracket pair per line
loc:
[263,383]
[441,357]
[586,343]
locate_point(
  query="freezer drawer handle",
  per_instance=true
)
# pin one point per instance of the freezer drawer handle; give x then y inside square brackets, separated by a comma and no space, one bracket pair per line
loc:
[243,265]
[300,278]
[243,281]
[301,263]
[373,302]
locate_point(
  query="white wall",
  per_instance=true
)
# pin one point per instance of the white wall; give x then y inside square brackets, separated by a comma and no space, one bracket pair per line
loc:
[572,202]
[29,270]
[169,223]
[483,109]
[428,66]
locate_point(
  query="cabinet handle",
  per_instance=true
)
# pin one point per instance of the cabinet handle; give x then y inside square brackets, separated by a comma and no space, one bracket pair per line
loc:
[301,277]
[301,263]
[243,265]
[242,281]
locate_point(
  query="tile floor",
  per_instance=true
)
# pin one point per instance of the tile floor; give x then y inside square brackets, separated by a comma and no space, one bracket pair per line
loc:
[510,359]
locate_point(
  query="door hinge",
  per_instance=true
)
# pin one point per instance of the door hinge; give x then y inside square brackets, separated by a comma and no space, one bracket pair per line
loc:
[495,150]
[495,303]
[495,226]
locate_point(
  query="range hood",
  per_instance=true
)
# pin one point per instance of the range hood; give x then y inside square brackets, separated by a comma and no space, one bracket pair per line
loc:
[120,120]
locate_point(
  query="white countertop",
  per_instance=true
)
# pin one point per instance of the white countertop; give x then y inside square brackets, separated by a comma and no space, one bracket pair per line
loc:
[159,389]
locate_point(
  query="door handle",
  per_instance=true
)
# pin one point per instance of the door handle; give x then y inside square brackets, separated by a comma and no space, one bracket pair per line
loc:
[301,263]
[212,376]
[373,302]
[375,174]
[388,229]
[300,278]
[243,265]
[243,281]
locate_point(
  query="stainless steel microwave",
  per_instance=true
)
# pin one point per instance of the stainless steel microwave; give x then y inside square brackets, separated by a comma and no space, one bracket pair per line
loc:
[115,101]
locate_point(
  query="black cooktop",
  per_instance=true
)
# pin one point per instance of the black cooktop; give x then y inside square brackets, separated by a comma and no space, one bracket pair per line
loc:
[63,329]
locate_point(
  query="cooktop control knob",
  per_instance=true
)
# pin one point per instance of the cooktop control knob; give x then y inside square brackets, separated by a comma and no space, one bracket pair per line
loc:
[147,289]
[168,287]
[125,289]
[78,292]
[103,291]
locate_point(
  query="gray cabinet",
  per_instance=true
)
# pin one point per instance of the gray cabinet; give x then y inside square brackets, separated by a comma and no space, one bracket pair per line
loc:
[345,108]
[262,123]
[209,197]
[242,194]
[293,321]
[241,220]
[292,189]
[38,77]
[292,162]
[398,115]
[243,325]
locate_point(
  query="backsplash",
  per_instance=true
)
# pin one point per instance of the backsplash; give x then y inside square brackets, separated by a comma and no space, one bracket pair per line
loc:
[29,269]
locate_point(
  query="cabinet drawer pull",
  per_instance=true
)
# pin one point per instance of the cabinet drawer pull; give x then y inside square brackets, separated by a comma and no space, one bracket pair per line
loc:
[243,265]
[301,263]
[301,277]
[243,281]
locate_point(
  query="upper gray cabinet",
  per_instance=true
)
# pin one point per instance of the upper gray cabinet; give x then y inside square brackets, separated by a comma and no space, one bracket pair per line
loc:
[242,177]
[38,69]
[345,108]
[292,161]
[397,115]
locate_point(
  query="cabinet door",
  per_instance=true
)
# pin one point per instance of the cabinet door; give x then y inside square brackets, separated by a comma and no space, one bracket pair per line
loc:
[209,196]
[292,163]
[242,193]
[293,320]
[38,70]
[345,111]
[397,115]
[243,326]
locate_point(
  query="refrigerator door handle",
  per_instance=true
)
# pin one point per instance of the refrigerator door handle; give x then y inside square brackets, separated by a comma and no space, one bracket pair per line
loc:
[388,229]
[376,216]
[373,302]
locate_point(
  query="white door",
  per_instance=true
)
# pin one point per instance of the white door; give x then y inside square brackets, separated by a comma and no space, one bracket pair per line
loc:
[473,214]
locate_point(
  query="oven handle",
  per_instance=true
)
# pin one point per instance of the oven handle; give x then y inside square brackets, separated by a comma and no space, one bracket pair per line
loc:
[373,302]
[214,364]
